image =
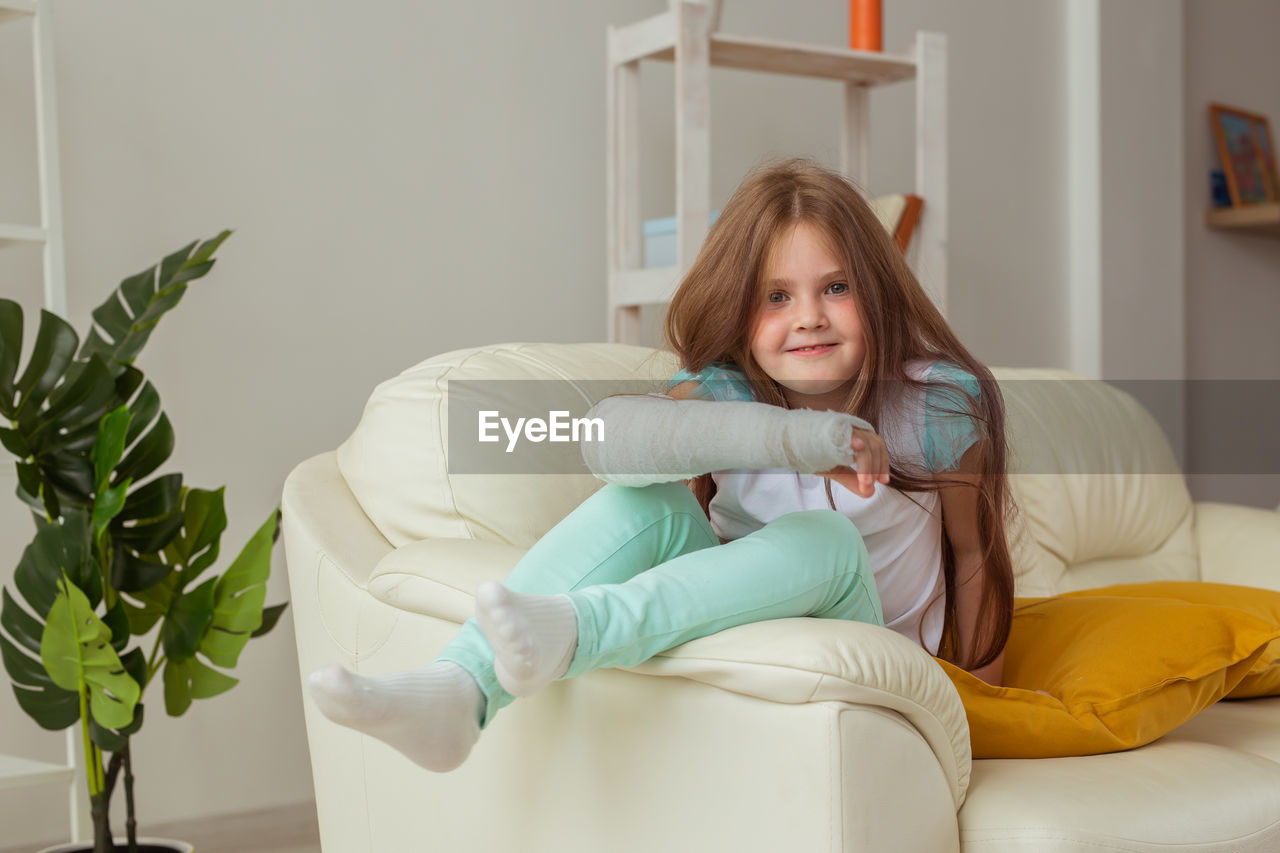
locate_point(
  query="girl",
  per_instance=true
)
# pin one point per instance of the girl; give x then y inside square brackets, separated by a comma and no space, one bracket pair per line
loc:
[799,316]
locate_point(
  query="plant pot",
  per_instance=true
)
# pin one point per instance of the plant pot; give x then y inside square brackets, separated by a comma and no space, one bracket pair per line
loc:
[145,845]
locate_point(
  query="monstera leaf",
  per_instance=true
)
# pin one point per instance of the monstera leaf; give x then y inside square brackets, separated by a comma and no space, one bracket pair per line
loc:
[239,597]
[214,619]
[59,550]
[52,442]
[77,654]
[54,351]
[105,455]
[44,701]
[158,586]
[192,679]
[217,618]
[49,444]
[52,429]
[127,317]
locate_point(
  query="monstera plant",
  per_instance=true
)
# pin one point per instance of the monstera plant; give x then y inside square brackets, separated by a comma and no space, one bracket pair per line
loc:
[120,553]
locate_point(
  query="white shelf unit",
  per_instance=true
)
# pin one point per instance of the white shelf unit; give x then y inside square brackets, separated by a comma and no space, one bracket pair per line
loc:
[49,232]
[13,235]
[683,35]
[18,772]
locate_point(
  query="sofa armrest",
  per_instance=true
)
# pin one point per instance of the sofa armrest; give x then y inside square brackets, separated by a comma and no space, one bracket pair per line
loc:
[1238,544]
[322,517]
[439,577]
[790,661]
[330,548]
[794,661]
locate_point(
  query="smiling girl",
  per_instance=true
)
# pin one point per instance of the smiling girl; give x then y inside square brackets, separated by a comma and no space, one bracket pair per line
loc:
[828,449]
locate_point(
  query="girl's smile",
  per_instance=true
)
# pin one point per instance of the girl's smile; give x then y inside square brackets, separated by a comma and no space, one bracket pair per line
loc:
[808,333]
[806,352]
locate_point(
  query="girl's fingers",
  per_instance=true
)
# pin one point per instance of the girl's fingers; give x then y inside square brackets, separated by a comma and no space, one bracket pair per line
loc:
[872,461]
[878,469]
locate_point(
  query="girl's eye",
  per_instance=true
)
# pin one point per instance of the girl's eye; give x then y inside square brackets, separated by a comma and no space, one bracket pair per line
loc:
[840,289]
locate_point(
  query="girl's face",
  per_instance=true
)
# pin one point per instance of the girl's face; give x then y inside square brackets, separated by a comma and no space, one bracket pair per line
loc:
[807,335]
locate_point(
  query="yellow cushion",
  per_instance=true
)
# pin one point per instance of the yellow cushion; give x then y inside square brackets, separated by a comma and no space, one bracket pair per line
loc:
[1264,678]
[1123,664]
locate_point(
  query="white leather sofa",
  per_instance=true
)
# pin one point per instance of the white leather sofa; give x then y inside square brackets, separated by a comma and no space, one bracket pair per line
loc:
[794,734]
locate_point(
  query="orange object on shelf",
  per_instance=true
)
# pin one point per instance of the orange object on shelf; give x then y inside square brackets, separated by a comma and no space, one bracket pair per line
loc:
[866,30]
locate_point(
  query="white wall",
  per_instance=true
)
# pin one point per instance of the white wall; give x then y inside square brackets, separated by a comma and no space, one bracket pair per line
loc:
[1141,190]
[1005,252]
[1124,196]
[1233,279]
[409,178]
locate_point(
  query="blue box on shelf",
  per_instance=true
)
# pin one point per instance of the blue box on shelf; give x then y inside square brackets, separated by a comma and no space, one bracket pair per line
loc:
[1218,186]
[660,240]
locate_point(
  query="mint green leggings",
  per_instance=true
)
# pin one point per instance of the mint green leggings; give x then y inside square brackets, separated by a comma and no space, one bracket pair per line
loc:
[645,571]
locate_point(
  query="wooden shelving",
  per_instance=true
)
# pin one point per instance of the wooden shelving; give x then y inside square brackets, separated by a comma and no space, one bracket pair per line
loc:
[17,9]
[1253,219]
[684,35]
[802,60]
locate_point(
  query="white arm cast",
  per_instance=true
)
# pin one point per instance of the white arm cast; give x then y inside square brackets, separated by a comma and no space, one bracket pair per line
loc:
[655,439]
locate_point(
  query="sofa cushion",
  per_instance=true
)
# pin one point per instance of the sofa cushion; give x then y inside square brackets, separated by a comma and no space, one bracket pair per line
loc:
[396,462]
[1121,671]
[1247,726]
[1174,794]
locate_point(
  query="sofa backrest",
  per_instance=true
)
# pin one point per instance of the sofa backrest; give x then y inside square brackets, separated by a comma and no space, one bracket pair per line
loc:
[1098,493]
[395,461]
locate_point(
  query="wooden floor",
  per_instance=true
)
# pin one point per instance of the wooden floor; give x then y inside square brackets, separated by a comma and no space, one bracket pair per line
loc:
[287,829]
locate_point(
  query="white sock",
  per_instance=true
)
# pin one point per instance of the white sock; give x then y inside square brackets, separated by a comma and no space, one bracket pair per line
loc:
[431,714]
[533,636]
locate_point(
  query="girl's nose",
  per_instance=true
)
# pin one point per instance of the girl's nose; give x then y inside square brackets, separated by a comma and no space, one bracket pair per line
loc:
[809,315]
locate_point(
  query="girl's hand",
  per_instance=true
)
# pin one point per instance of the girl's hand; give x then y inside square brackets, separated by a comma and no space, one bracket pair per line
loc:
[872,460]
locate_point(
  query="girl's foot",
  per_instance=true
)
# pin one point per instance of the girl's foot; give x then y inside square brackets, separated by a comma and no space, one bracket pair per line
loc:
[533,636]
[431,715]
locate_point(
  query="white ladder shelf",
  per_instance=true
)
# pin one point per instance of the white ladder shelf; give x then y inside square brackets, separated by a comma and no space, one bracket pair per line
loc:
[49,232]
[682,35]
[18,772]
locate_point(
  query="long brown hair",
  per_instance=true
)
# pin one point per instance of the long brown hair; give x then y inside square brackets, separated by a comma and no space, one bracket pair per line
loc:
[712,316]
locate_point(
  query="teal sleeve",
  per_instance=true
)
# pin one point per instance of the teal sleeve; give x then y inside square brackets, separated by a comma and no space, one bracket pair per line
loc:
[719,381]
[949,429]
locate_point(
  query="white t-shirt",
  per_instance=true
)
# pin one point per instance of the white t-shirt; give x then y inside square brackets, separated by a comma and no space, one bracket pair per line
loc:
[903,539]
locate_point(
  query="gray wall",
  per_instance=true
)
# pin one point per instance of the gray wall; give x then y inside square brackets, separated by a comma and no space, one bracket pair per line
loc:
[408,178]
[1233,279]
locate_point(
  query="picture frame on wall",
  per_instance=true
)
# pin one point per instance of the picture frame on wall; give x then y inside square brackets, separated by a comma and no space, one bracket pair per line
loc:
[1248,154]
[1262,129]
